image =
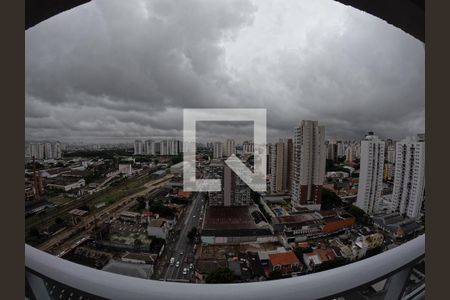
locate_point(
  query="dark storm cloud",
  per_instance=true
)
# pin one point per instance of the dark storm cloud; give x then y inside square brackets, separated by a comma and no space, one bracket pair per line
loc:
[114,70]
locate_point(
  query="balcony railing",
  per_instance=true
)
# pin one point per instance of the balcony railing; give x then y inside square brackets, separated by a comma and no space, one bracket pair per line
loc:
[48,276]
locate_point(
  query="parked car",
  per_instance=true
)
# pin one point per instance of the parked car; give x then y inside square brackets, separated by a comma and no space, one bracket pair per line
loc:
[185,271]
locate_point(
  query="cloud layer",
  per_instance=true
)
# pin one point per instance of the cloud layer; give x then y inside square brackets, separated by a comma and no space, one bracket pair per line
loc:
[116,70]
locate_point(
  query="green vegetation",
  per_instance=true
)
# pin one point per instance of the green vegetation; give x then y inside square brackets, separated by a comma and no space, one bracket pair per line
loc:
[34,237]
[359,214]
[140,206]
[330,200]
[109,195]
[156,245]
[276,274]
[221,275]
[137,243]
[177,159]
[192,233]
[159,208]
[332,167]
[105,154]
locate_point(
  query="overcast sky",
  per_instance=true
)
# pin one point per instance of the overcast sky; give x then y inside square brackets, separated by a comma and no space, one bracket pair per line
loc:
[114,70]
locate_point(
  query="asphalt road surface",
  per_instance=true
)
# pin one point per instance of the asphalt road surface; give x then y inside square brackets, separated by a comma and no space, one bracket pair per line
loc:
[180,247]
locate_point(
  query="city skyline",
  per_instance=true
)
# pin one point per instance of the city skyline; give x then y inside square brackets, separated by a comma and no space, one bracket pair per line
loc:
[123,86]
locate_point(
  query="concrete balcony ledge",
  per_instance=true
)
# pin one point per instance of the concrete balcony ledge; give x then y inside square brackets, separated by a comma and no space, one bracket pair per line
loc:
[326,284]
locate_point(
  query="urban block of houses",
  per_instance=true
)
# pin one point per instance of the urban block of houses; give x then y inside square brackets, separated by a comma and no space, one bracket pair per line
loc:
[304,225]
[397,226]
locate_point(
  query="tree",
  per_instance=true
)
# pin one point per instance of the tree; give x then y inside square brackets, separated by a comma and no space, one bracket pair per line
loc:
[59,220]
[221,275]
[359,214]
[276,274]
[34,232]
[177,159]
[330,200]
[192,233]
[140,203]
[85,207]
[137,243]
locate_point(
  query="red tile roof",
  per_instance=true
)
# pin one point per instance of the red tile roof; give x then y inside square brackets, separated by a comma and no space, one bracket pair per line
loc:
[284,258]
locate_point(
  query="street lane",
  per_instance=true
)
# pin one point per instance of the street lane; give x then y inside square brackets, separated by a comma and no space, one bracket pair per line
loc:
[183,244]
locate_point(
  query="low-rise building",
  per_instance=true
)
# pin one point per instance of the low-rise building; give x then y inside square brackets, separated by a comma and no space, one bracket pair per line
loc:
[130,216]
[317,257]
[139,258]
[234,225]
[397,226]
[301,226]
[158,228]
[144,271]
[66,183]
[286,262]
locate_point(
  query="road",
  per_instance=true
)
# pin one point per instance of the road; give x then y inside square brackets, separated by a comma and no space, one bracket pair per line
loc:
[72,234]
[179,246]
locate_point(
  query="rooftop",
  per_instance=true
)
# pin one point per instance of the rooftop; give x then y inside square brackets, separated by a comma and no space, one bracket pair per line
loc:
[284,258]
[228,217]
[129,269]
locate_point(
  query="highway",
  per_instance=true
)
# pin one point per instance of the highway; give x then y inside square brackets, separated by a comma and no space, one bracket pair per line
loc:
[180,247]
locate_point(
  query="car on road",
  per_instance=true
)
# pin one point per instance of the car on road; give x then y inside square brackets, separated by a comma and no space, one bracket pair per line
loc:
[181,253]
[191,266]
[185,271]
[193,216]
[172,260]
[177,264]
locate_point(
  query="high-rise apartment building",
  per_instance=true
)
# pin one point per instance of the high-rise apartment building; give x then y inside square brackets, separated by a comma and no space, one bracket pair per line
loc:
[371,173]
[281,166]
[309,154]
[340,149]
[48,151]
[169,147]
[409,178]
[390,153]
[234,191]
[150,147]
[57,150]
[230,147]
[331,148]
[248,147]
[218,150]
[138,147]
[350,153]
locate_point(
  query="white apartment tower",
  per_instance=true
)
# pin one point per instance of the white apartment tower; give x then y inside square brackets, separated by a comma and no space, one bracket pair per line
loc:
[230,148]
[218,150]
[138,147]
[309,155]
[409,178]
[370,173]
[150,147]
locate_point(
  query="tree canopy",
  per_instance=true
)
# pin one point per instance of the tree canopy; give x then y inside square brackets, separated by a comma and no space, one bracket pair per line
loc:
[221,275]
